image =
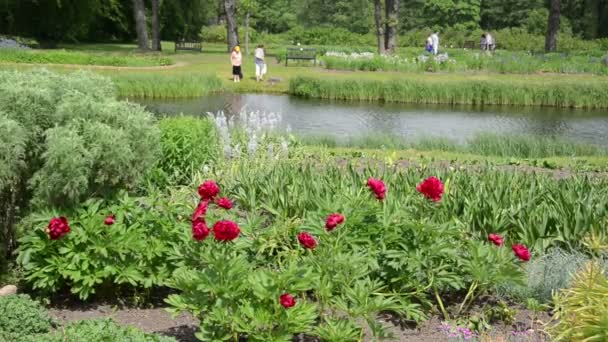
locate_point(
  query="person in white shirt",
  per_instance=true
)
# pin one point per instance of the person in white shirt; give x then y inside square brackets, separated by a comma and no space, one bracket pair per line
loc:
[435,40]
[260,63]
[490,42]
[429,44]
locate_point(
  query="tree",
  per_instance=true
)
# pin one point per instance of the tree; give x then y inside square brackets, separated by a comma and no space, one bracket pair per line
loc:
[392,22]
[553,28]
[141,26]
[379,26]
[231,24]
[250,7]
[156,41]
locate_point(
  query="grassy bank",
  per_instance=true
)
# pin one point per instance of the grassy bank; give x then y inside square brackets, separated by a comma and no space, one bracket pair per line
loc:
[82,58]
[516,146]
[149,85]
[414,60]
[526,91]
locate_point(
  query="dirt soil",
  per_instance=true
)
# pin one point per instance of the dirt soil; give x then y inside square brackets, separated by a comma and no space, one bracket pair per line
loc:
[183,327]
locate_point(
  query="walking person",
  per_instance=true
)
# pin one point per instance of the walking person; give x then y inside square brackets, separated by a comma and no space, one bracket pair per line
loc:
[435,40]
[260,63]
[236,58]
[483,42]
[429,44]
[489,42]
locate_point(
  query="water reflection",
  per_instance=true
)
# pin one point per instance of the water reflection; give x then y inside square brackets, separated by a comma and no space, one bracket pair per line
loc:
[347,119]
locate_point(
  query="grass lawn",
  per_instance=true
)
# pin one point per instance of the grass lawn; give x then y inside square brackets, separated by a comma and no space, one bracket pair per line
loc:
[215,61]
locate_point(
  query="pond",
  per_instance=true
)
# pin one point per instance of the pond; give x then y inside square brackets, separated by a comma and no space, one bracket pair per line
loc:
[352,119]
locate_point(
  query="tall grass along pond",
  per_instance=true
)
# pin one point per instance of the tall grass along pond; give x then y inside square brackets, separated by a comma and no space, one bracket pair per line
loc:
[554,92]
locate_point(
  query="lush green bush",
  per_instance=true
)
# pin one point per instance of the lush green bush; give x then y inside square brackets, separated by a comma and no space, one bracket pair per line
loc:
[187,144]
[546,92]
[65,137]
[21,317]
[378,260]
[100,330]
[96,256]
[81,58]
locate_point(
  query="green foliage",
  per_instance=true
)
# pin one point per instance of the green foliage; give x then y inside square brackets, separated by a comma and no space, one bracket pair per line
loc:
[22,317]
[155,86]
[69,138]
[555,93]
[100,330]
[188,144]
[81,58]
[486,144]
[131,252]
[582,309]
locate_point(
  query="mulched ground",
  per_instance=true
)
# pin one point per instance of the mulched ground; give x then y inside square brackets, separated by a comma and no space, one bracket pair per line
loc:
[183,327]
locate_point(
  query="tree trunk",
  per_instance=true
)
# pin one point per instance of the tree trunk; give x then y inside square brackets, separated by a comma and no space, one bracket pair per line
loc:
[231,26]
[592,18]
[379,26]
[247,17]
[156,45]
[553,28]
[392,20]
[139,11]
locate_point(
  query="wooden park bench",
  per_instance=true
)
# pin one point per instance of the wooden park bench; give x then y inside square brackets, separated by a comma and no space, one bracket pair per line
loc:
[307,54]
[469,44]
[182,45]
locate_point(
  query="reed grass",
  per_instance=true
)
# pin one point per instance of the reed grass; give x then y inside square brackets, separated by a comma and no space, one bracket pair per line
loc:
[156,86]
[555,92]
[497,145]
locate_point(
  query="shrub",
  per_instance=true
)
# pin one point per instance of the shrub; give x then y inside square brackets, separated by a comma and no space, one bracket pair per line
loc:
[582,309]
[187,144]
[65,137]
[101,330]
[22,317]
[132,250]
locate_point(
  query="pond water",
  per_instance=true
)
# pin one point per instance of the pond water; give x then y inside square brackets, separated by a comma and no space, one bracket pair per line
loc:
[352,119]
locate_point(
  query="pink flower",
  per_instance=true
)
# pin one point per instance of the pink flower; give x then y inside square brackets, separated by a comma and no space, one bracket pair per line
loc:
[431,188]
[208,190]
[109,220]
[333,220]
[58,227]
[224,202]
[495,239]
[522,252]
[200,231]
[287,300]
[377,187]
[201,210]
[226,230]
[307,240]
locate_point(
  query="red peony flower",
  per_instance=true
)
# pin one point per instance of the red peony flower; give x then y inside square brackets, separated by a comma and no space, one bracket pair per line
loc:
[208,190]
[495,239]
[431,188]
[58,227]
[224,202]
[522,252]
[287,301]
[200,231]
[201,210]
[377,187]
[226,230]
[307,240]
[333,220]
[109,220]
